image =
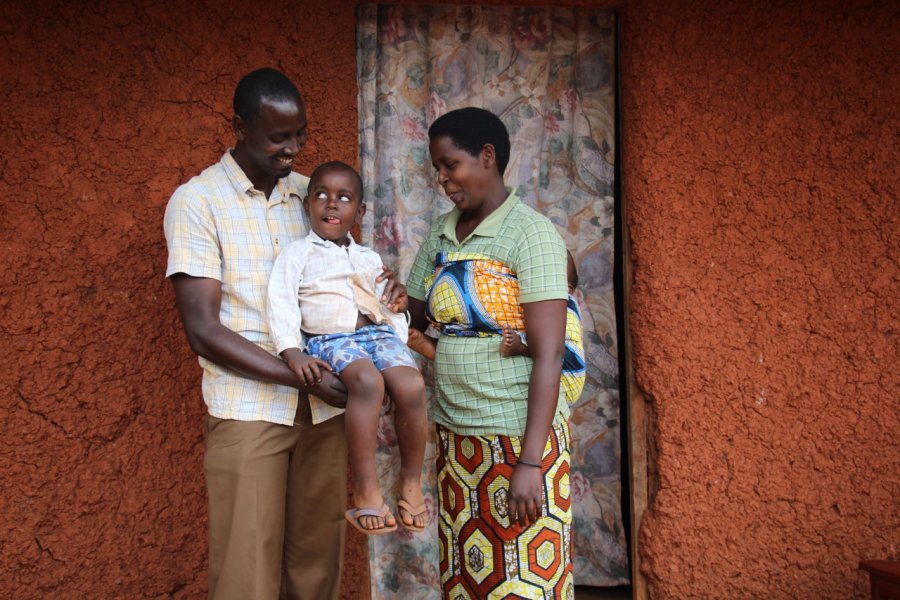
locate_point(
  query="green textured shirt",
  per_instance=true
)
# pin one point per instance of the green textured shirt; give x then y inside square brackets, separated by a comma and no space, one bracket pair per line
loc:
[480,392]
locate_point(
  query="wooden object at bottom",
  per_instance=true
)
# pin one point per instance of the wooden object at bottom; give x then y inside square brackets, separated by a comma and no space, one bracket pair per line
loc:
[884,576]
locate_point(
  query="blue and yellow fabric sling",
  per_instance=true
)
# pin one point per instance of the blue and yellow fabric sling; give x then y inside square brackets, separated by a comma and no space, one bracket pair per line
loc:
[473,295]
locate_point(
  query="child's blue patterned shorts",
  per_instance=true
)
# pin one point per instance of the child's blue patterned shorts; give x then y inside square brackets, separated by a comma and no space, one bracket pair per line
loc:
[378,343]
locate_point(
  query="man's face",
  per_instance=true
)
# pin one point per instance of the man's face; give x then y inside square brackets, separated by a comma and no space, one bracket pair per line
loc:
[273,139]
[334,204]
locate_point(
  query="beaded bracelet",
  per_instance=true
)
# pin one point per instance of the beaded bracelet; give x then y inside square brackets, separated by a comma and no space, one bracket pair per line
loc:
[530,464]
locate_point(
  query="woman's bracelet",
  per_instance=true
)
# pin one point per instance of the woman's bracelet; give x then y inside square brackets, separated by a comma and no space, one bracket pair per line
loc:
[530,464]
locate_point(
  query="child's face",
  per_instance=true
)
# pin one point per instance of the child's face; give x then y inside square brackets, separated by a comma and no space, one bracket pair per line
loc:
[333,204]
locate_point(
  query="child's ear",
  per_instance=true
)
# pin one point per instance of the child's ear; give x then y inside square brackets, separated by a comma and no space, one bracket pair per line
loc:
[360,213]
[306,204]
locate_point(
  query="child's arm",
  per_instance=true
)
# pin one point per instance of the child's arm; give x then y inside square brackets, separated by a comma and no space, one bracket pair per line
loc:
[282,303]
[421,343]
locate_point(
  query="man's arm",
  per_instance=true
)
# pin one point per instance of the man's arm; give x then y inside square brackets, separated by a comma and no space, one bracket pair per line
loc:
[199,300]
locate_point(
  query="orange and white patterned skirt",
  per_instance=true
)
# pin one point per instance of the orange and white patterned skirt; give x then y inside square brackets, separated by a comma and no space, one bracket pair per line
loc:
[482,556]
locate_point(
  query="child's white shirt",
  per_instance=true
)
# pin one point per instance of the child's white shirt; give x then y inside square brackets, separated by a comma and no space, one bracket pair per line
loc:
[319,287]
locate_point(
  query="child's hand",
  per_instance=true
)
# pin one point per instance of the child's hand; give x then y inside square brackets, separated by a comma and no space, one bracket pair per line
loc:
[422,344]
[307,368]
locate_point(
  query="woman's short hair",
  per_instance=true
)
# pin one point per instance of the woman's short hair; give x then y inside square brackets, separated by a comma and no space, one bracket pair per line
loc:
[267,83]
[470,129]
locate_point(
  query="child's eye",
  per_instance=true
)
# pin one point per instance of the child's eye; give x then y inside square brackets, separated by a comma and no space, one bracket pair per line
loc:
[321,195]
[344,198]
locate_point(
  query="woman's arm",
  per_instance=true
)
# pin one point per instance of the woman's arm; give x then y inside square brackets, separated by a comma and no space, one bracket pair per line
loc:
[545,327]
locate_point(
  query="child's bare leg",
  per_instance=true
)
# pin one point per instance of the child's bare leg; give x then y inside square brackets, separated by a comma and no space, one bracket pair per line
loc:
[511,344]
[365,390]
[407,390]
[422,344]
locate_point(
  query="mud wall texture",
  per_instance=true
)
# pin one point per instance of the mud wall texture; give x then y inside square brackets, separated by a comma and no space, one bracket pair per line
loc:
[760,152]
[108,107]
[760,180]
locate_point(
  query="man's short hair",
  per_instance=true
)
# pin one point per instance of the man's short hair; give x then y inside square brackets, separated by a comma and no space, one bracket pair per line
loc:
[470,129]
[336,165]
[267,83]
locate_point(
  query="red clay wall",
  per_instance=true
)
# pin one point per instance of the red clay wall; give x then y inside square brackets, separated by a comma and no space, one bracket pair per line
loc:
[760,174]
[760,157]
[106,111]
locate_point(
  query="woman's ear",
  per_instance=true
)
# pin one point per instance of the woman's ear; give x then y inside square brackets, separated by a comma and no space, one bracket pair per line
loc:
[488,156]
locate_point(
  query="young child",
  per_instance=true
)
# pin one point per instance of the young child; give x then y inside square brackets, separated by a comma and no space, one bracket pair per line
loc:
[323,291]
[515,344]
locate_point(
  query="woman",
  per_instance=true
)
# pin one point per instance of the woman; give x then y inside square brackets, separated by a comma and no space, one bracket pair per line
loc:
[504,505]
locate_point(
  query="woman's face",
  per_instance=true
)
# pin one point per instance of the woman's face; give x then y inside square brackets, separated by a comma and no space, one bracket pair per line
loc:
[465,178]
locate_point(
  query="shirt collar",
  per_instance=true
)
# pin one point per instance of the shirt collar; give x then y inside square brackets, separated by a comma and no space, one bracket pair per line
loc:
[314,238]
[286,186]
[490,227]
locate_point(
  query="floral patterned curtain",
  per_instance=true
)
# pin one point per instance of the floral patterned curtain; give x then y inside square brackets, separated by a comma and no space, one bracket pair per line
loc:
[549,74]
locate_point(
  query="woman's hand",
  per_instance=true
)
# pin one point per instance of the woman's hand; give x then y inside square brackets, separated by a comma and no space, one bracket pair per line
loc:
[525,499]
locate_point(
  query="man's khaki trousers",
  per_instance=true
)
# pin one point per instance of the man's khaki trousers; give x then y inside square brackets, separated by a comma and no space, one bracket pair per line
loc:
[277,496]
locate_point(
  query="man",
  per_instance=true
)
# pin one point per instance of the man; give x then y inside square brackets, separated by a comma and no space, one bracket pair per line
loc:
[275,459]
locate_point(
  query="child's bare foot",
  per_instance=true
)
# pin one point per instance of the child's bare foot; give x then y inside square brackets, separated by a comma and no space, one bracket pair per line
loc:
[411,506]
[512,345]
[421,343]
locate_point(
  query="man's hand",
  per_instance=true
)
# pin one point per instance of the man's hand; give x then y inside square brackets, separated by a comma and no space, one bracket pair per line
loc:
[394,296]
[307,368]
[330,391]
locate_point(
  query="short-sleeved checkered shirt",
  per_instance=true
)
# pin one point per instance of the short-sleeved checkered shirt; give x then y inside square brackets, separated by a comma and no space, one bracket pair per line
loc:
[219,226]
[480,392]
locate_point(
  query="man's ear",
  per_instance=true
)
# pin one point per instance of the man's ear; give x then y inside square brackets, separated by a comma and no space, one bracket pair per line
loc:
[488,156]
[239,127]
